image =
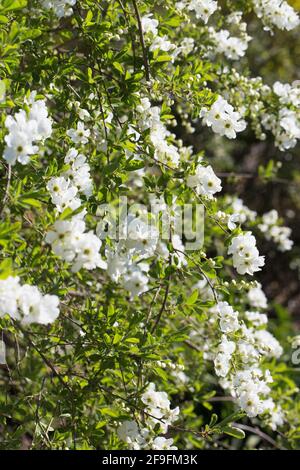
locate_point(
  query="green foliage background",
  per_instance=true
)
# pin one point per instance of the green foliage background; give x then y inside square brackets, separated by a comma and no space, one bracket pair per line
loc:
[63,389]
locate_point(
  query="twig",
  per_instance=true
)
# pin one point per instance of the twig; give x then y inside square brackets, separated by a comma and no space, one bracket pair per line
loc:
[6,194]
[45,359]
[202,272]
[259,433]
[163,305]
[146,64]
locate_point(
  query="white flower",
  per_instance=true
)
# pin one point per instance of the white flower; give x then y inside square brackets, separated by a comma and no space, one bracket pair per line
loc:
[158,408]
[149,25]
[63,194]
[62,236]
[79,172]
[250,387]
[80,135]
[60,7]
[256,297]
[256,318]
[222,361]
[155,399]
[130,433]
[228,318]
[9,289]
[288,94]
[118,261]
[238,207]
[276,12]
[26,130]
[223,119]
[149,118]
[186,46]
[87,248]
[246,257]
[70,241]
[276,419]
[205,181]
[135,281]
[39,113]
[267,344]
[26,303]
[203,8]
[161,443]
[272,231]
[19,146]
[142,236]
[232,47]
[162,43]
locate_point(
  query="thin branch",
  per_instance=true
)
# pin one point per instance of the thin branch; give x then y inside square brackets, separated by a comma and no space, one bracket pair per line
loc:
[6,194]
[202,272]
[165,298]
[259,433]
[145,58]
[45,359]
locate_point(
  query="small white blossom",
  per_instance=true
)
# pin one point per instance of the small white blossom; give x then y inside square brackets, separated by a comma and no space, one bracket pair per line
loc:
[26,303]
[80,135]
[222,118]
[205,181]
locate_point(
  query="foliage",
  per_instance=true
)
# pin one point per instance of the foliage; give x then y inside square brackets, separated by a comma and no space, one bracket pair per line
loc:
[148,312]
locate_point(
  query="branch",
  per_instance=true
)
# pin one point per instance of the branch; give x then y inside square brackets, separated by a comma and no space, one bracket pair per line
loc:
[259,433]
[6,194]
[146,64]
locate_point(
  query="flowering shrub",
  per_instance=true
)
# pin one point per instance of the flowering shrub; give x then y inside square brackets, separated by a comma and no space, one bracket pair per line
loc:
[131,309]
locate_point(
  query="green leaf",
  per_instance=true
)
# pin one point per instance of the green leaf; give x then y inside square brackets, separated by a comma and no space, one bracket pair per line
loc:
[163,58]
[9,5]
[234,432]
[213,420]
[134,165]
[118,67]
[193,298]
[6,268]
[27,201]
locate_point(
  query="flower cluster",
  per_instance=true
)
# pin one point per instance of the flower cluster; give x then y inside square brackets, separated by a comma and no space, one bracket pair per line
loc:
[231,46]
[61,8]
[158,417]
[138,242]
[285,126]
[245,254]
[239,209]
[79,135]
[285,123]
[203,8]
[25,130]
[238,360]
[272,231]
[26,303]
[256,297]
[288,94]
[222,118]
[228,318]
[157,43]
[149,118]
[205,182]
[72,243]
[65,189]
[276,12]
